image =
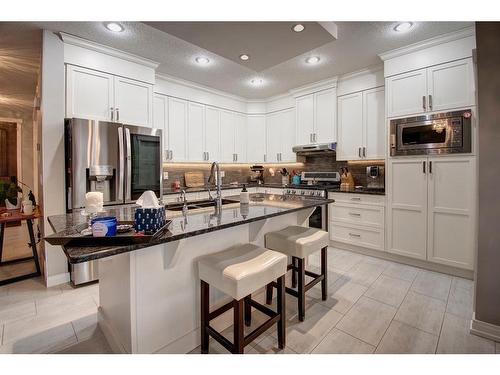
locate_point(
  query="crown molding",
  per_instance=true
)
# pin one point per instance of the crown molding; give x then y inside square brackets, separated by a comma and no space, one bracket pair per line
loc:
[313,87]
[361,72]
[84,43]
[445,38]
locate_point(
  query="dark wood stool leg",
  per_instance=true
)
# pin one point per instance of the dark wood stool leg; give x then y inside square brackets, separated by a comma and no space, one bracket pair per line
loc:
[294,273]
[281,311]
[29,223]
[324,272]
[269,294]
[238,327]
[205,307]
[301,288]
[248,311]
[2,229]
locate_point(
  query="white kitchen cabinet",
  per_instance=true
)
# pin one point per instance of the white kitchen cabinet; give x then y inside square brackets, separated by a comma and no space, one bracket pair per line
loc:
[316,117]
[437,88]
[227,136]
[195,132]
[374,123]
[280,136]
[240,141]
[160,121]
[432,209]
[256,139]
[96,95]
[212,133]
[177,129]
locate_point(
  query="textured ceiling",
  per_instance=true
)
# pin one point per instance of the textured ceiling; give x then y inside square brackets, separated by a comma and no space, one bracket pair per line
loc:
[357,46]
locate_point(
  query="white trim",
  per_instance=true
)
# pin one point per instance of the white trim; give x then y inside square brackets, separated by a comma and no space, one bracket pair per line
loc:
[87,44]
[483,329]
[314,87]
[431,42]
[109,333]
[58,279]
[361,72]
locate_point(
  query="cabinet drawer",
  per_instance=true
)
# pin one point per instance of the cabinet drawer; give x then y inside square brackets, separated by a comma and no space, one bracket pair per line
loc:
[372,216]
[372,238]
[358,198]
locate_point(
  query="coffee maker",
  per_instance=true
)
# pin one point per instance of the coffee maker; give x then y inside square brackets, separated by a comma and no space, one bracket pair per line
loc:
[375,177]
[257,174]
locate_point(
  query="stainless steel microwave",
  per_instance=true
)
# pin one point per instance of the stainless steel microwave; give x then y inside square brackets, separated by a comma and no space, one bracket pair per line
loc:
[440,133]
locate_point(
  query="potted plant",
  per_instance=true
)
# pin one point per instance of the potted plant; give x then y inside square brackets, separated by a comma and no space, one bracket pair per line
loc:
[9,193]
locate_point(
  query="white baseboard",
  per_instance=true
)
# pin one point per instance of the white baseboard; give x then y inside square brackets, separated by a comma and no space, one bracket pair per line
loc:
[483,329]
[61,278]
[109,333]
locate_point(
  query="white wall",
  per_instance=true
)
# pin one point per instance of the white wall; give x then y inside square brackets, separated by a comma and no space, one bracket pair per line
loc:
[52,107]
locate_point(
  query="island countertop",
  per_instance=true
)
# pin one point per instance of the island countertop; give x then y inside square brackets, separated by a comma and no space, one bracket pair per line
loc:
[195,222]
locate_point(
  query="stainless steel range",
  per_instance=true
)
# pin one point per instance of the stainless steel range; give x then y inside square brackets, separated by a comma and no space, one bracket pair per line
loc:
[316,184]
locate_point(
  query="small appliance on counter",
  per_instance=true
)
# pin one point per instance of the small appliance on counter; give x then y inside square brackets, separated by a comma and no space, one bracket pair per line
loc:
[375,177]
[257,174]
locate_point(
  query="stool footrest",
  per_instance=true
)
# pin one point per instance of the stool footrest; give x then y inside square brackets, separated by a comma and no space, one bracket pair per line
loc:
[260,329]
[311,274]
[221,339]
[309,285]
[221,310]
[263,309]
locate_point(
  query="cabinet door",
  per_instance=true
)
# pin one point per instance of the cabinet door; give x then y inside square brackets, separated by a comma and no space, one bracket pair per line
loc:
[407,93]
[451,211]
[450,85]
[227,136]
[195,128]
[407,208]
[89,94]
[350,126]
[240,141]
[286,120]
[273,138]
[177,128]
[212,134]
[256,139]
[160,120]
[305,119]
[133,102]
[374,123]
[325,116]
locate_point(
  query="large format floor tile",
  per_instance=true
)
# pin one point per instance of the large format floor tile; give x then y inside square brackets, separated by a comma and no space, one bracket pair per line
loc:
[338,342]
[402,338]
[498,347]
[365,273]
[12,312]
[342,260]
[342,294]
[94,344]
[432,284]
[389,290]
[455,338]
[460,301]
[269,345]
[401,271]
[367,320]
[422,312]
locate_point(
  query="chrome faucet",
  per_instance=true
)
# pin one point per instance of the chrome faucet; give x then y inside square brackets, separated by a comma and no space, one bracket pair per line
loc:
[184,201]
[218,184]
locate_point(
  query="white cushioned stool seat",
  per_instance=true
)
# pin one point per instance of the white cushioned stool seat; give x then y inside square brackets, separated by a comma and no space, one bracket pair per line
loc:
[242,269]
[297,241]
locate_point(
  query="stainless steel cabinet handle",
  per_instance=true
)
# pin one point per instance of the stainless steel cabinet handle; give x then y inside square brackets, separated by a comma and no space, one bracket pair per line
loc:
[310,137]
[117,114]
[355,235]
[430,102]
[315,137]
[277,157]
[354,214]
[112,114]
[171,154]
[281,157]
[355,199]
[208,155]
[423,167]
[359,151]
[265,157]
[423,103]
[364,152]
[236,157]
[430,167]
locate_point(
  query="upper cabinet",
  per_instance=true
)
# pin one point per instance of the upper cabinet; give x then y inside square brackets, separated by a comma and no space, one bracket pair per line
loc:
[256,139]
[177,129]
[96,95]
[361,125]
[316,117]
[436,88]
[280,136]
[232,137]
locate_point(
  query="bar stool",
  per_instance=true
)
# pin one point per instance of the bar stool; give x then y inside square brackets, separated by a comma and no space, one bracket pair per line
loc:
[299,242]
[240,271]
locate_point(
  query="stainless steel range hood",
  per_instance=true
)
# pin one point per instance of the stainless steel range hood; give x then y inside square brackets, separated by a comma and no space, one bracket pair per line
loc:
[315,148]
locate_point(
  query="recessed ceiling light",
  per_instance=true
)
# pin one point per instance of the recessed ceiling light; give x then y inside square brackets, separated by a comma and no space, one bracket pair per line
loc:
[202,60]
[244,57]
[313,60]
[298,28]
[114,26]
[403,26]
[257,81]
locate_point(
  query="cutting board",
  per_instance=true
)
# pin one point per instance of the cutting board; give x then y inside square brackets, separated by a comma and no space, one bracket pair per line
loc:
[194,179]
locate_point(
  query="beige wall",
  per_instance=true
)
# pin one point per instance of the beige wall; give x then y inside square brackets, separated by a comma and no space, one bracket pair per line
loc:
[487,304]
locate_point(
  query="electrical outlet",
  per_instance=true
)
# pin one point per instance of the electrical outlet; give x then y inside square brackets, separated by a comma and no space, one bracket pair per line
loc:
[165,175]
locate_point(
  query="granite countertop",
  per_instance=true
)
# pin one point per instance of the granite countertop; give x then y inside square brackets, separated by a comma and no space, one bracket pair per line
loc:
[196,222]
[362,190]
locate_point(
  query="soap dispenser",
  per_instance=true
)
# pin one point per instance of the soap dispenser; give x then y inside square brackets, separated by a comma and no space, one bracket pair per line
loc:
[244,195]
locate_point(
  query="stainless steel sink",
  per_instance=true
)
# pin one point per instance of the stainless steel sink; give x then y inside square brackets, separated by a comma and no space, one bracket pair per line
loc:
[197,204]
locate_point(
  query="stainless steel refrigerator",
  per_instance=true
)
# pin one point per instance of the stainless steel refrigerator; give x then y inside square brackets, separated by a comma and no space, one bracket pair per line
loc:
[122,161]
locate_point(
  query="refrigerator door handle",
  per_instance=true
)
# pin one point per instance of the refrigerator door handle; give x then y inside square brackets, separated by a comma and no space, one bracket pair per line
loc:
[121,165]
[128,156]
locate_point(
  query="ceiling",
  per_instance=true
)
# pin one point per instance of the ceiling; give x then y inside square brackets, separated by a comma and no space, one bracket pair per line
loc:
[276,57]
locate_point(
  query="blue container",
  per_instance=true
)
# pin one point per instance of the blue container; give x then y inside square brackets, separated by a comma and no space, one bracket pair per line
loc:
[296,180]
[104,226]
[149,220]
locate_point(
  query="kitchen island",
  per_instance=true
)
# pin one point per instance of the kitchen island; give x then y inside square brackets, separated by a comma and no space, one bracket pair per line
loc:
[149,298]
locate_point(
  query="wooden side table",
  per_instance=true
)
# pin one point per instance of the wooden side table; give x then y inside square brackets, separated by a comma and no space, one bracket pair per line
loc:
[16,215]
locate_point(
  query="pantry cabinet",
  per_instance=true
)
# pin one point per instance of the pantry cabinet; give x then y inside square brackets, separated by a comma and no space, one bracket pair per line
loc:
[432,209]
[436,88]
[256,138]
[361,125]
[97,95]
[280,136]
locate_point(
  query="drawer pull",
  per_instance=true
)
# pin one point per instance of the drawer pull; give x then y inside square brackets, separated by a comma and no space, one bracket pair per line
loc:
[355,198]
[354,214]
[355,235]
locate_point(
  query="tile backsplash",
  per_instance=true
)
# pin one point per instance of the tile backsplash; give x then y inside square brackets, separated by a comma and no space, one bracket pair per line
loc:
[241,172]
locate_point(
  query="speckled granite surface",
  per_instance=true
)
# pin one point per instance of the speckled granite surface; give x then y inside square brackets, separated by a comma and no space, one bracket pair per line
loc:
[195,222]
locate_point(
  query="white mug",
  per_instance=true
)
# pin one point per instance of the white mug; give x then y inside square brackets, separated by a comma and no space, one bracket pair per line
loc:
[27,208]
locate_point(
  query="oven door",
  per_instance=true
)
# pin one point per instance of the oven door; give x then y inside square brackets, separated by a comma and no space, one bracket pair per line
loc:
[318,218]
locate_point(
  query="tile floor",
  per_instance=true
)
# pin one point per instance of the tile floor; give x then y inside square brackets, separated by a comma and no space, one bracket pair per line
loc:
[373,306]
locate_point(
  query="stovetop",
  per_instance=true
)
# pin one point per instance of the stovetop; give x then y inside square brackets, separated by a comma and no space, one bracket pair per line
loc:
[317,186]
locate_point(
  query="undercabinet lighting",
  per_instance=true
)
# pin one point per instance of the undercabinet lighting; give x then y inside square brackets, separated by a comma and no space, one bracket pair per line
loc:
[114,27]
[313,60]
[244,57]
[298,28]
[202,60]
[403,26]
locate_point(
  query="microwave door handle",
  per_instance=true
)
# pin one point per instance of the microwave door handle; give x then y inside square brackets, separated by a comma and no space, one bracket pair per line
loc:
[121,165]
[128,156]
